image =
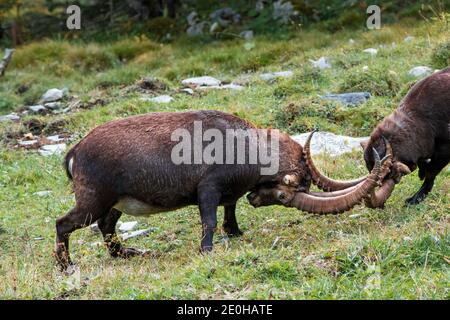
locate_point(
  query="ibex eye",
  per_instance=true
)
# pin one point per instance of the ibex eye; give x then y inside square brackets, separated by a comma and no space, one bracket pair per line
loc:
[281,196]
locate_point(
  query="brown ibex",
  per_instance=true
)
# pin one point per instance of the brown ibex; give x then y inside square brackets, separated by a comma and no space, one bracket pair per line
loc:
[417,134]
[127,166]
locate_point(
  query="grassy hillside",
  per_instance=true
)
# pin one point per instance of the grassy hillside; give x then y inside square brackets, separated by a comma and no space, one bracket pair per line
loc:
[399,252]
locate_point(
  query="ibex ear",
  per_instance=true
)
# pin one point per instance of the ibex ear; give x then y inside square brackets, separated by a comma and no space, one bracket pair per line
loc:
[290,180]
[364,144]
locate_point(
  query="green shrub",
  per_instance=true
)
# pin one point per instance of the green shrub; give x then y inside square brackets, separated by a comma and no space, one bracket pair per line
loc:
[306,116]
[441,56]
[159,27]
[377,81]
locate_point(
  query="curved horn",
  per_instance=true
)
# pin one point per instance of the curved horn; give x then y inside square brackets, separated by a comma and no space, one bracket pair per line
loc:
[378,198]
[402,168]
[319,179]
[340,203]
[334,193]
[388,146]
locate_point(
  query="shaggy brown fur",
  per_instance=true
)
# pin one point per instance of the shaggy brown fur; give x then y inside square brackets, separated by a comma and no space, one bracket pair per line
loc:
[418,131]
[131,158]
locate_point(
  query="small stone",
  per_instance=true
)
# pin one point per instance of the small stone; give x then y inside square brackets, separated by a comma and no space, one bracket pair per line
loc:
[349,99]
[10,117]
[201,81]
[365,68]
[44,193]
[408,39]
[196,29]
[214,27]
[55,138]
[94,228]
[351,41]
[247,34]
[52,95]
[272,75]
[192,18]
[407,239]
[283,11]
[137,233]
[27,143]
[128,226]
[275,242]
[188,90]
[231,86]
[37,108]
[330,143]
[371,51]
[52,105]
[52,149]
[420,71]
[39,238]
[356,215]
[97,244]
[322,63]
[161,99]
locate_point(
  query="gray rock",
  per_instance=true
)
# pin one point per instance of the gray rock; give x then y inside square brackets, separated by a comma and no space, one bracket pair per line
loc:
[322,63]
[231,86]
[44,193]
[137,233]
[225,16]
[37,108]
[128,226]
[26,143]
[247,34]
[214,27]
[201,81]
[53,105]
[188,90]
[52,95]
[283,11]
[273,75]
[420,71]
[97,244]
[159,99]
[55,138]
[94,228]
[9,117]
[196,29]
[349,99]
[52,149]
[371,51]
[259,5]
[192,18]
[330,143]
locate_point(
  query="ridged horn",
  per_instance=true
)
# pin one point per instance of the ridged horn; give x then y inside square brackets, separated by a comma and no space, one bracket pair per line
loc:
[323,182]
[336,204]
[377,198]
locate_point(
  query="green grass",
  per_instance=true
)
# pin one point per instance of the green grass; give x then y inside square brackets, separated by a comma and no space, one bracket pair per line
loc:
[396,253]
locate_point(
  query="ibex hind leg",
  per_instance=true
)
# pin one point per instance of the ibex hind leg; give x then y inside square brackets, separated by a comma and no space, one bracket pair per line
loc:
[82,215]
[429,171]
[107,225]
